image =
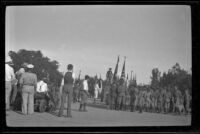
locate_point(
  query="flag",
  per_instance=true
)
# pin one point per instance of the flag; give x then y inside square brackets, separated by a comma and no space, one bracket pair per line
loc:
[131,76]
[79,75]
[123,70]
[116,70]
[127,82]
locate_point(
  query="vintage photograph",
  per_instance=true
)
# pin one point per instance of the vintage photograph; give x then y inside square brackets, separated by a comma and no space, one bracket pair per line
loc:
[98,65]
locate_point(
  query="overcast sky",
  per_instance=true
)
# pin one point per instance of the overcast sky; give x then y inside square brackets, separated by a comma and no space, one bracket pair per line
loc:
[91,37]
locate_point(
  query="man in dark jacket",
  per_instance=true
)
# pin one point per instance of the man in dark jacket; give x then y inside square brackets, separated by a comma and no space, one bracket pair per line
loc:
[67,91]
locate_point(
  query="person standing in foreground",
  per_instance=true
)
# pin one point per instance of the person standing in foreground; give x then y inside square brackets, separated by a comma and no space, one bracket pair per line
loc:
[9,77]
[67,90]
[28,82]
[84,94]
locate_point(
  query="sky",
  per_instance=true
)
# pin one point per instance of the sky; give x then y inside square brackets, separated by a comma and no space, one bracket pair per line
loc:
[92,36]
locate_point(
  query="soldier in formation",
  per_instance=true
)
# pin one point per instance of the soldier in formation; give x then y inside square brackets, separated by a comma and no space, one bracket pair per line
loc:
[148,99]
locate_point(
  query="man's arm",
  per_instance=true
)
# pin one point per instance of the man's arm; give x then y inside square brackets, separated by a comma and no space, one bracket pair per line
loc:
[35,84]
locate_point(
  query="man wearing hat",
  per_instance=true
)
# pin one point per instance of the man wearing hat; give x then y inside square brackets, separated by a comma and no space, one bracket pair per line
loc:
[67,90]
[9,77]
[28,82]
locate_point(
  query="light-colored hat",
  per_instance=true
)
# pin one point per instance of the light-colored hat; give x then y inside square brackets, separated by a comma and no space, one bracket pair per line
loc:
[30,66]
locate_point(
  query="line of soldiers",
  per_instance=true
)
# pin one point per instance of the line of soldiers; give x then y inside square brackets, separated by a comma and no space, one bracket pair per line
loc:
[119,96]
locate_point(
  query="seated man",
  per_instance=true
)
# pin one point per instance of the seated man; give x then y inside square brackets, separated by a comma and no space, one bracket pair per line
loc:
[41,91]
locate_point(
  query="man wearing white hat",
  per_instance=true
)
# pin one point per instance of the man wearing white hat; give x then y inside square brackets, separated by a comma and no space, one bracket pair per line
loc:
[9,77]
[28,82]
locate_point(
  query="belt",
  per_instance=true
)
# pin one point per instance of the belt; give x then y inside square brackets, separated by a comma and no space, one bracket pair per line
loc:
[28,84]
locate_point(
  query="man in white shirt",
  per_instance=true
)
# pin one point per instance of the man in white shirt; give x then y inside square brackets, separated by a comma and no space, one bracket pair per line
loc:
[41,90]
[84,94]
[9,77]
[42,86]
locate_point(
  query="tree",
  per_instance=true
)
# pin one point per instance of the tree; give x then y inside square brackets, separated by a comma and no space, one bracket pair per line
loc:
[155,78]
[43,66]
[177,77]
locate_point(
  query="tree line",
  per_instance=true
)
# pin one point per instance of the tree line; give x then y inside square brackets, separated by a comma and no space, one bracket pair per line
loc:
[176,76]
[45,67]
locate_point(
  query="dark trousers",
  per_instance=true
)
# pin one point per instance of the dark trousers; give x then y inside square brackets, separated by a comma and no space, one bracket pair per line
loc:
[132,103]
[83,96]
[66,92]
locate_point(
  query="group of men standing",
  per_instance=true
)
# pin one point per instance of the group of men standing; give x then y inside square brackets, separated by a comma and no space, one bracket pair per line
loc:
[23,81]
[121,96]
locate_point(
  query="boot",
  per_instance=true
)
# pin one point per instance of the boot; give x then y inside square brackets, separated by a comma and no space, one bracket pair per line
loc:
[80,108]
[84,108]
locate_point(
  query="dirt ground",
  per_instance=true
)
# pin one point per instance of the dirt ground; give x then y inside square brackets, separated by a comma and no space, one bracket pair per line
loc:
[96,116]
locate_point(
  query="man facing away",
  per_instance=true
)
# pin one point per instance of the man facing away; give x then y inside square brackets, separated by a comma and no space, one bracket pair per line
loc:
[67,90]
[28,82]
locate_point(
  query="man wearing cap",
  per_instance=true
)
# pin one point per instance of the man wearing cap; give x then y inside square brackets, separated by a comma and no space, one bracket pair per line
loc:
[9,77]
[67,90]
[28,82]
[84,94]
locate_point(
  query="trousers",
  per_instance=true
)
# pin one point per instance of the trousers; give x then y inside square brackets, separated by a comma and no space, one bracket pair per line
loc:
[27,99]
[83,96]
[67,91]
[8,92]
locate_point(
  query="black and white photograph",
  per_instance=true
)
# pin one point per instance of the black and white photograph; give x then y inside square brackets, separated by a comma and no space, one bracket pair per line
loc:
[98,65]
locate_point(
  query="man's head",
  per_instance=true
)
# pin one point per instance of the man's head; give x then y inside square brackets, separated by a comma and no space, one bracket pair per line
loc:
[86,77]
[110,69]
[29,67]
[121,81]
[70,67]
[45,79]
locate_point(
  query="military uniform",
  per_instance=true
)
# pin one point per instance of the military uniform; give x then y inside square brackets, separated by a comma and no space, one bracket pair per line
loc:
[167,101]
[113,96]
[187,99]
[121,96]
[133,97]
[141,101]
